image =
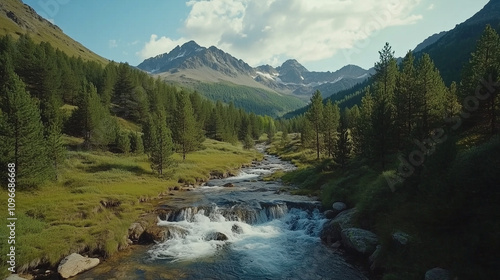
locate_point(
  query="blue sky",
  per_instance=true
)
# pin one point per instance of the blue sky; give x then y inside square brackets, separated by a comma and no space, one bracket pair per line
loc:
[323,35]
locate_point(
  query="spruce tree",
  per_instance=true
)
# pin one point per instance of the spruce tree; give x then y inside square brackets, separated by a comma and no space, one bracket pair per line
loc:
[482,78]
[430,98]
[315,116]
[187,133]
[405,98]
[55,146]
[160,142]
[22,141]
[92,120]
[136,143]
[382,117]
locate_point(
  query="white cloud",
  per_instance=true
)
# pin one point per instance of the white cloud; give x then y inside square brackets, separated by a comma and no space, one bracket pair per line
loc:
[113,44]
[260,31]
[157,46]
[431,7]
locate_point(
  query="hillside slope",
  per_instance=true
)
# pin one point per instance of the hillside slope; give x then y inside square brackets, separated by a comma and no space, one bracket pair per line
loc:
[17,18]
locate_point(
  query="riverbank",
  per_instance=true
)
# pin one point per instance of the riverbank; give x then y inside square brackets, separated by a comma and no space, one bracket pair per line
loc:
[98,196]
[442,219]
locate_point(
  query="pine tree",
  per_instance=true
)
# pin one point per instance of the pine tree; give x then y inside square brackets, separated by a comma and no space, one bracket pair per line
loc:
[123,142]
[430,98]
[481,79]
[315,116]
[187,134]
[136,143]
[382,117]
[92,120]
[159,141]
[307,134]
[55,146]
[331,117]
[123,92]
[404,98]
[21,137]
[364,133]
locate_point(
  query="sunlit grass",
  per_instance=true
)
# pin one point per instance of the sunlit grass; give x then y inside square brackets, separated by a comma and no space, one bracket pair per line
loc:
[59,218]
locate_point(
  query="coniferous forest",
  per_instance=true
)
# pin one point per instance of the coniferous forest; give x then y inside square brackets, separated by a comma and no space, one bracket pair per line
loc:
[415,156]
[47,94]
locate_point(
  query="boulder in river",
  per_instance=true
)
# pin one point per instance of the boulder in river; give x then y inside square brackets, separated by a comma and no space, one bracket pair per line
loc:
[437,274]
[359,240]
[218,236]
[237,229]
[332,229]
[338,207]
[75,264]
[330,214]
[228,185]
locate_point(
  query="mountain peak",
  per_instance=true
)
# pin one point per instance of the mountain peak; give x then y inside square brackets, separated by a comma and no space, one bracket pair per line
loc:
[293,64]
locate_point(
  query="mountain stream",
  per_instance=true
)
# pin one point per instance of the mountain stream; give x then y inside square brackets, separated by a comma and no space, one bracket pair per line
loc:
[251,230]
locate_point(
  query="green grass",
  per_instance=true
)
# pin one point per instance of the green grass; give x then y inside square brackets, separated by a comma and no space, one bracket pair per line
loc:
[59,218]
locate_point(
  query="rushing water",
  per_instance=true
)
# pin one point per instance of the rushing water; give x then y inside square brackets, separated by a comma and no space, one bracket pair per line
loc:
[249,231]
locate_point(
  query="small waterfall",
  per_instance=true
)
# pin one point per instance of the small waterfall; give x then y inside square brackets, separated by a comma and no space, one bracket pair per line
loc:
[239,212]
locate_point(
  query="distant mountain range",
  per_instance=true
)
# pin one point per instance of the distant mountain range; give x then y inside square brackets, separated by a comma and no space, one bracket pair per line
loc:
[191,63]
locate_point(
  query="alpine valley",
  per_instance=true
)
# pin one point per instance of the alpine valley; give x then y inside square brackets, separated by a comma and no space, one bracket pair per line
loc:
[220,76]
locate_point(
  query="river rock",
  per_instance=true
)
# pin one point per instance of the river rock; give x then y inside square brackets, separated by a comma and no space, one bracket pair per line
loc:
[400,238]
[218,236]
[437,274]
[237,229]
[228,185]
[75,264]
[359,240]
[330,233]
[338,207]
[330,214]
[135,231]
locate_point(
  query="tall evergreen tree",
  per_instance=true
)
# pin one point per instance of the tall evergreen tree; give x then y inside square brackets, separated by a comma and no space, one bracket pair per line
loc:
[482,78]
[123,92]
[382,117]
[430,98]
[187,133]
[92,120]
[405,98]
[55,146]
[21,137]
[159,142]
[315,116]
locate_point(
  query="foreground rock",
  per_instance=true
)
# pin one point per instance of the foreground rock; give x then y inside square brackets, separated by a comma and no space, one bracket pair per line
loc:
[360,240]
[437,274]
[332,229]
[75,264]
[217,236]
[338,207]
